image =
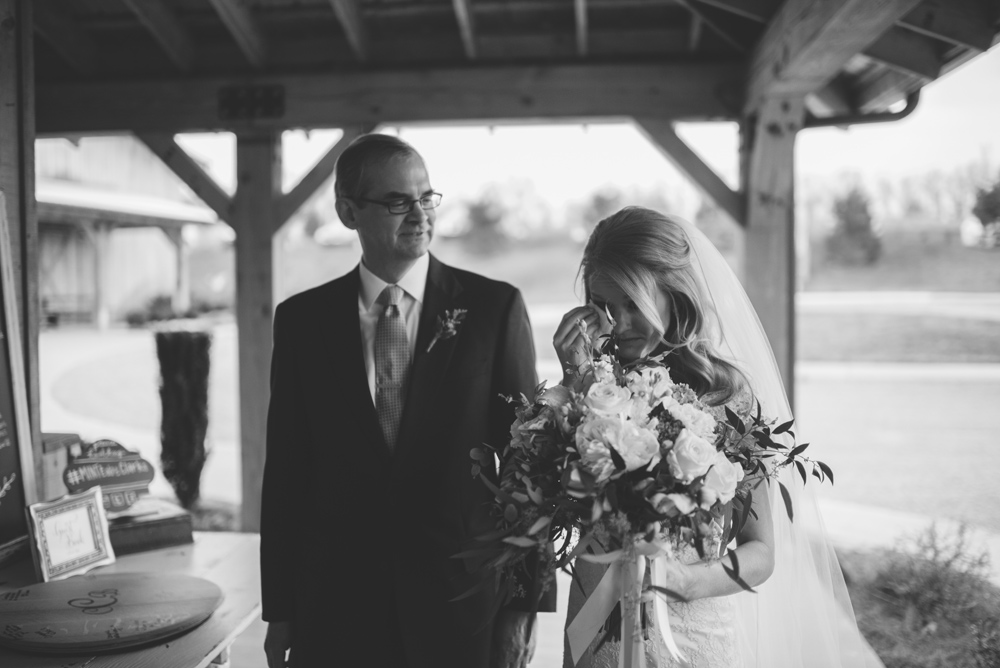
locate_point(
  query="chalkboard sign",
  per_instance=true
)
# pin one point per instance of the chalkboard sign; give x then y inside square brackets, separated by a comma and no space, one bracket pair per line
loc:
[123,475]
[17,477]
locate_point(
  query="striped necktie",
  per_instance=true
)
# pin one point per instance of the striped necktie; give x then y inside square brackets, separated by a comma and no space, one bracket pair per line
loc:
[392,364]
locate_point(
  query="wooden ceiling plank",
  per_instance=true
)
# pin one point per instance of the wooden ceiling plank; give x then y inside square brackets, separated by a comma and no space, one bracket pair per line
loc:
[243,27]
[172,37]
[164,146]
[686,91]
[662,135]
[66,38]
[807,43]
[834,99]
[906,52]
[580,17]
[959,22]
[890,87]
[291,201]
[349,15]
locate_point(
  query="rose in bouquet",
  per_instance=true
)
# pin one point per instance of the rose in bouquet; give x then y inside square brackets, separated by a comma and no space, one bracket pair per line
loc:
[624,469]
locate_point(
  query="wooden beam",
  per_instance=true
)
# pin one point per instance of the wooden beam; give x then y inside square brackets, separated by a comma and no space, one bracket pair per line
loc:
[290,202]
[66,38]
[661,134]
[959,22]
[834,99]
[713,25]
[191,173]
[244,29]
[580,19]
[768,148]
[172,37]
[906,52]
[258,168]
[677,91]
[17,183]
[889,87]
[694,35]
[466,27]
[354,28]
[755,10]
[807,43]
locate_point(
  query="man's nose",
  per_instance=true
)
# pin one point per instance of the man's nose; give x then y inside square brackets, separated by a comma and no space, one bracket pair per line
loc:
[417,214]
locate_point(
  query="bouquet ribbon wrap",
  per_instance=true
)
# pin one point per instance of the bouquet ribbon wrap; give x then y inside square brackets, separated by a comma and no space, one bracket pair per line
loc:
[622,583]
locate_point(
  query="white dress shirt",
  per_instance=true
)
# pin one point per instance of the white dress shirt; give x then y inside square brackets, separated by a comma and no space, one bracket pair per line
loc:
[413,283]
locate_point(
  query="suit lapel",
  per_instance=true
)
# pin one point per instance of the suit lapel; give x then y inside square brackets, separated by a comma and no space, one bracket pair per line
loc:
[341,329]
[429,367]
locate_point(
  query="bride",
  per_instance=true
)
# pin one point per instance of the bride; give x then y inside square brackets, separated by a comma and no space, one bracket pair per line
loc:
[669,290]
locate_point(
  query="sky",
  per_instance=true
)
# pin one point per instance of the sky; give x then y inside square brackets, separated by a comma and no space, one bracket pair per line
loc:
[957,122]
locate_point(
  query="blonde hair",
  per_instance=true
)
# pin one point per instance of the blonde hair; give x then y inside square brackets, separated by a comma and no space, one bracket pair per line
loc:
[641,251]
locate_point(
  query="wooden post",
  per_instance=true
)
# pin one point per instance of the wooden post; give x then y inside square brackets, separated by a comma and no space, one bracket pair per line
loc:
[181,301]
[768,175]
[17,181]
[258,189]
[101,236]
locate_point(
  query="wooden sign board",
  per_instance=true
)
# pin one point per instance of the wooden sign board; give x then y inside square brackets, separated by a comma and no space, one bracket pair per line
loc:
[104,612]
[17,477]
[122,475]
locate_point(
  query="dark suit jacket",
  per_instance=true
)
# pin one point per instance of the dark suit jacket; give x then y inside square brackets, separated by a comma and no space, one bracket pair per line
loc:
[357,542]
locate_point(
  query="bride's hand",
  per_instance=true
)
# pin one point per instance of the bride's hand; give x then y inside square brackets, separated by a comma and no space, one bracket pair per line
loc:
[570,342]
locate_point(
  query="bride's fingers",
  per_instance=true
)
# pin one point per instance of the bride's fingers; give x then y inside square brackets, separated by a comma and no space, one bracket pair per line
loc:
[571,320]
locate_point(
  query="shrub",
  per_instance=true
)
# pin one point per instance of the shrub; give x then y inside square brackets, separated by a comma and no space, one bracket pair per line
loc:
[987,206]
[853,240]
[184,367]
[939,581]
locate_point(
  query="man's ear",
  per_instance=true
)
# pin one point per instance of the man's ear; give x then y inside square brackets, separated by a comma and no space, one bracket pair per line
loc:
[347,213]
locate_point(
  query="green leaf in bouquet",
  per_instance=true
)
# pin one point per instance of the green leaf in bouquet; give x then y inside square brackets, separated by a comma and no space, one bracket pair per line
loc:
[616,458]
[596,511]
[497,492]
[669,593]
[827,470]
[520,541]
[783,427]
[734,573]
[798,450]
[611,493]
[519,497]
[802,471]
[787,498]
[539,524]
[510,513]
[476,470]
[734,420]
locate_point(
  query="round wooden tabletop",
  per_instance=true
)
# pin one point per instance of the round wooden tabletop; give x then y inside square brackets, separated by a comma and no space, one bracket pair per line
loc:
[104,612]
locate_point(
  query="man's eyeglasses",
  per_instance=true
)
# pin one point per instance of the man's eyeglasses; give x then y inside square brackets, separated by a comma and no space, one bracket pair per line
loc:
[403,205]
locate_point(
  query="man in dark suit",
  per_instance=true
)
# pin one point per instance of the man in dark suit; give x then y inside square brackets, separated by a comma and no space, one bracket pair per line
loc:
[380,387]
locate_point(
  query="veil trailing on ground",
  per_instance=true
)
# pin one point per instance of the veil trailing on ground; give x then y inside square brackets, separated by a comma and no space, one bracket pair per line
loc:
[802,615]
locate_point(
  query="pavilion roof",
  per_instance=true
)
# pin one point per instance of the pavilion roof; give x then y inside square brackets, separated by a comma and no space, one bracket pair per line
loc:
[850,56]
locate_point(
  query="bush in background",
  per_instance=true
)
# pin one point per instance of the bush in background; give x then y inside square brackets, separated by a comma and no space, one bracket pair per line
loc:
[929,603]
[853,240]
[184,367]
[161,309]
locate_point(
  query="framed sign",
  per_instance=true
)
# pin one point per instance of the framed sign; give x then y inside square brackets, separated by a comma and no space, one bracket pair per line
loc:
[17,476]
[70,535]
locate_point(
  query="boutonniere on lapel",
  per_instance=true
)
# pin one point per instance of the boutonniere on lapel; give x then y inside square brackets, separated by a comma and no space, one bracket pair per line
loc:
[448,325]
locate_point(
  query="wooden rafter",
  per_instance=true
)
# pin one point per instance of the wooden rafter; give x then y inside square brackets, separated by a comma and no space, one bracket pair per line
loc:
[172,37]
[678,91]
[807,43]
[834,99]
[580,19]
[244,29]
[354,28]
[713,25]
[291,201]
[66,38]
[755,10]
[906,52]
[959,22]
[694,34]
[661,134]
[889,87]
[190,172]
